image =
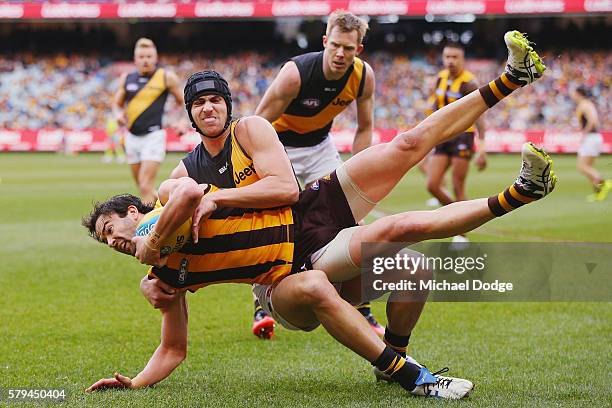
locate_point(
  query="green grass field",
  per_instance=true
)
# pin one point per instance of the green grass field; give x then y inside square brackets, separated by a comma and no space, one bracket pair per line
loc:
[71,311]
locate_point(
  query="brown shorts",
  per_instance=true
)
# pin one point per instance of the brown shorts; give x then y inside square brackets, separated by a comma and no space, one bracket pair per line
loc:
[460,146]
[321,212]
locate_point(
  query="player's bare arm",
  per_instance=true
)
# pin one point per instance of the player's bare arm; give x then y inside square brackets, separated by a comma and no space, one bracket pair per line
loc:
[157,293]
[169,355]
[365,113]
[174,87]
[180,197]
[119,101]
[281,92]
[481,158]
[277,185]
[179,171]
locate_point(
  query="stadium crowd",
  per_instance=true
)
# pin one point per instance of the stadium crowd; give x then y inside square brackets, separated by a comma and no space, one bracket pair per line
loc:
[75,92]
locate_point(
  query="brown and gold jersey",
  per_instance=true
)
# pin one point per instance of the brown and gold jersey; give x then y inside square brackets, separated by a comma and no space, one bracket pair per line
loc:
[449,90]
[145,97]
[309,117]
[239,245]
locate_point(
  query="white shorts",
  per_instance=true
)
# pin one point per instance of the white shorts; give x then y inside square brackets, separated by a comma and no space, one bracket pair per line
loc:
[149,147]
[590,145]
[313,162]
[263,293]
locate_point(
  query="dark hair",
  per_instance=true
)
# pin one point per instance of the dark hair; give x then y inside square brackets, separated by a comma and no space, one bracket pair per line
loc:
[583,91]
[453,44]
[117,204]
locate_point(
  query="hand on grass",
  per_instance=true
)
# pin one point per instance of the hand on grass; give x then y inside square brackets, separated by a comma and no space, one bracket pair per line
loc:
[118,381]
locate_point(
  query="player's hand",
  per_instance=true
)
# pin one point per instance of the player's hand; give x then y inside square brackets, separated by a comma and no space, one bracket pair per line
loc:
[121,119]
[481,161]
[204,210]
[183,127]
[147,255]
[158,293]
[118,381]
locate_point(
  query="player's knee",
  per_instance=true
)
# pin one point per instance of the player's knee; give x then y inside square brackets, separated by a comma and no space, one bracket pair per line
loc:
[145,187]
[315,288]
[433,186]
[409,141]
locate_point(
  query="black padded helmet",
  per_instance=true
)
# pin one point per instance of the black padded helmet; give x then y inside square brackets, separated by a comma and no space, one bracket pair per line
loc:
[206,83]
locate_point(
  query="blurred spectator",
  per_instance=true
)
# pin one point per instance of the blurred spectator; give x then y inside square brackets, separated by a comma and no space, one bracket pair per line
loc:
[75,92]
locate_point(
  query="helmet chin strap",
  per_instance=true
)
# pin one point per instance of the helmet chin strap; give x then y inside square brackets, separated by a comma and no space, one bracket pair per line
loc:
[227,123]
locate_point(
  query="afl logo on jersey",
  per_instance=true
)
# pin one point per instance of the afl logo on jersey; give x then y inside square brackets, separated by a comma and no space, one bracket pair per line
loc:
[131,87]
[311,103]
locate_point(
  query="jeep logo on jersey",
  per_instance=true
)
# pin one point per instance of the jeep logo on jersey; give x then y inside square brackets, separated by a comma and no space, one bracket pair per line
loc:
[240,176]
[311,103]
[341,102]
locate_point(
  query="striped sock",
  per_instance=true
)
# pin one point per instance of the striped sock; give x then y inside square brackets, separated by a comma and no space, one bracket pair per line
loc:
[498,89]
[396,342]
[391,363]
[510,199]
[259,312]
[365,309]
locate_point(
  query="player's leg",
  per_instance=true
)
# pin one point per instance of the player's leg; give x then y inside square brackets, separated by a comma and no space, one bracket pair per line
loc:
[585,166]
[135,170]
[376,170]
[460,168]
[152,155]
[403,308]
[308,298]
[309,164]
[536,180]
[438,165]
[305,299]
[317,162]
[590,149]
[263,324]
[600,187]
[146,180]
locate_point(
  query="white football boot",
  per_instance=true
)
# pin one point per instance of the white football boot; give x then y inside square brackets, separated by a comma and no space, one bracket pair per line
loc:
[437,386]
[536,178]
[524,63]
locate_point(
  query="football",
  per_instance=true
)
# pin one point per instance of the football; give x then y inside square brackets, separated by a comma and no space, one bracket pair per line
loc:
[174,242]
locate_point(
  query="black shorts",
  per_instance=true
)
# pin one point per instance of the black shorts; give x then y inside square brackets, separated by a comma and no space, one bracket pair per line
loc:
[461,146]
[320,213]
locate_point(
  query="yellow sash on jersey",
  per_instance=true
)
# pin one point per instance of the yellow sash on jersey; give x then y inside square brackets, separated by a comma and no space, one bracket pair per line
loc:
[146,96]
[305,124]
[244,169]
